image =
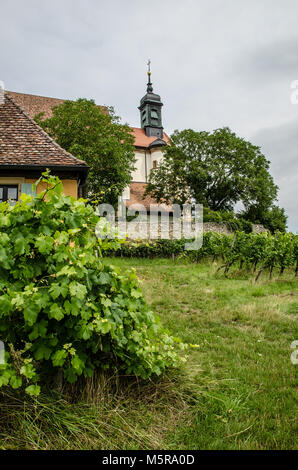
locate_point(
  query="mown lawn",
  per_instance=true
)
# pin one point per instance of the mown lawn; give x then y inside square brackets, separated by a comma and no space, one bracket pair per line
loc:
[238,389]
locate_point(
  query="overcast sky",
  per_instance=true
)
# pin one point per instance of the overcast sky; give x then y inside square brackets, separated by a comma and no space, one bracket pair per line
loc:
[214,62]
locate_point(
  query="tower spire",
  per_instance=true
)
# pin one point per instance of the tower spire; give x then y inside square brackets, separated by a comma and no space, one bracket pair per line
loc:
[149,84]
[150,110]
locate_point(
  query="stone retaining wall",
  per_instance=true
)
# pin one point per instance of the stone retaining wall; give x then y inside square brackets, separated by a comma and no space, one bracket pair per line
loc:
[140,230]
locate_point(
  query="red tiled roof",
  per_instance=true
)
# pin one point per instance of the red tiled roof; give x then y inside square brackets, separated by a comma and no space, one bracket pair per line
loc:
[23,142]
[142,140]
[34,104]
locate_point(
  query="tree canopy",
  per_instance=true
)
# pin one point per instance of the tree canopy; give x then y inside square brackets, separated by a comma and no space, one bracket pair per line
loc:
[217,169]
[95,135]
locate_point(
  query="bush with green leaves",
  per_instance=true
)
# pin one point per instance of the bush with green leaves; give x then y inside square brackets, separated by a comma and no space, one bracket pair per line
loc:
[62,309]
[233,221]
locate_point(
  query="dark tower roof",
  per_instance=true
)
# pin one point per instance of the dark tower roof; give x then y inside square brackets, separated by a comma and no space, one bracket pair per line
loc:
[150,111]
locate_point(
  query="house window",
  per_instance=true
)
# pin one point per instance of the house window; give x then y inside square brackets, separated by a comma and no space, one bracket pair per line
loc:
[154,164]
[9,193]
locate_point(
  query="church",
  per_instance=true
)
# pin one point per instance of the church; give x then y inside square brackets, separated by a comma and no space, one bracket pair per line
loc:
[149,141]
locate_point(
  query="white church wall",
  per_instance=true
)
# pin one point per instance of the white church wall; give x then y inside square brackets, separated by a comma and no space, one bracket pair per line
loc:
[139,174]
[145,163]
[155,155]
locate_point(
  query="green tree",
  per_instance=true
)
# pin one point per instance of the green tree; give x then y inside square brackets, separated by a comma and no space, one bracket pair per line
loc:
[96,136]
[273,218]
[217,169]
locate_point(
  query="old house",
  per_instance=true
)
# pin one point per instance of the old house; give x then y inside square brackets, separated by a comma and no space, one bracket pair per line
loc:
[26,151]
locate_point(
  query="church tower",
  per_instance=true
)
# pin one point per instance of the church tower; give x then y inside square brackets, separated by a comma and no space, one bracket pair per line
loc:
[150,111]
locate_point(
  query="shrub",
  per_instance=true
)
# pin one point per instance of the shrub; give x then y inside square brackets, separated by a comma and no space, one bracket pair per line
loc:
[232,221]
[211,216]
[61,307]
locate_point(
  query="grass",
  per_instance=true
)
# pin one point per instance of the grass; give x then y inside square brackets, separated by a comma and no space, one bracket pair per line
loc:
[237,390]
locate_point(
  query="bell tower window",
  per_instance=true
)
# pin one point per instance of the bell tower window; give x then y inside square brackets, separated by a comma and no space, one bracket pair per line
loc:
[144,116]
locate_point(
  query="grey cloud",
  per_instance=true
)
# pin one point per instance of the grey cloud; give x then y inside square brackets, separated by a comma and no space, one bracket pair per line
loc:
[215,63]
[270,62]
[280,146]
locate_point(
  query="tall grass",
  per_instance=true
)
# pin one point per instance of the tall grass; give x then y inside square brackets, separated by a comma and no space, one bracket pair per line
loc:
[238,390]
[106,412]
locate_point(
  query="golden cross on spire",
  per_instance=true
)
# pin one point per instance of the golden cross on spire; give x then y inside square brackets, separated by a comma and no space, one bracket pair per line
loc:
[149,84]
[149,68]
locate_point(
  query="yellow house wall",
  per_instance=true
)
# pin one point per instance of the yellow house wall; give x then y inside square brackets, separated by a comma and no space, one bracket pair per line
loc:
[70,187]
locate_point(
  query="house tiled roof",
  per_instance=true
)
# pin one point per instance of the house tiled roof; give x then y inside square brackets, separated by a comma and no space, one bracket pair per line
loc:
[23,142]
[142,140]
[34,104]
